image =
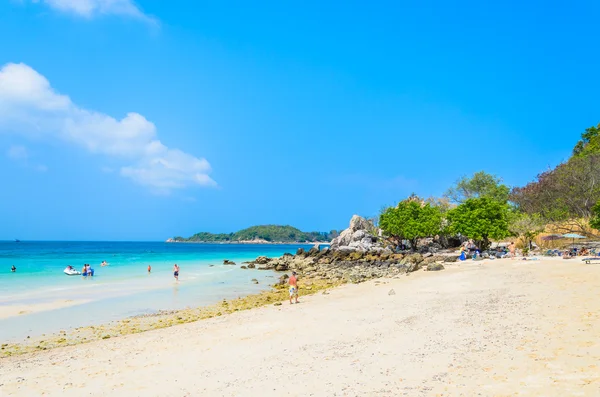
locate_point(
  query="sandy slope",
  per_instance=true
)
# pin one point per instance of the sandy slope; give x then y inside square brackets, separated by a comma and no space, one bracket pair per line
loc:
[492,329]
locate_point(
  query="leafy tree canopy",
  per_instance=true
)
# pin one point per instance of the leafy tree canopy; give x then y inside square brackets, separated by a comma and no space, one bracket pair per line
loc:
[589,143]
[481,184]
[567,192]
[595,221]
[480,219]
[526,226]
[410,220]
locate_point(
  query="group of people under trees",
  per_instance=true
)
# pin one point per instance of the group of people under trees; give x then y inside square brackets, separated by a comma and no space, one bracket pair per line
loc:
[469,249]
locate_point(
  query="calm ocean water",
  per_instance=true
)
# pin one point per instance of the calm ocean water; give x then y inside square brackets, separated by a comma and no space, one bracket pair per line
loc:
[124,288]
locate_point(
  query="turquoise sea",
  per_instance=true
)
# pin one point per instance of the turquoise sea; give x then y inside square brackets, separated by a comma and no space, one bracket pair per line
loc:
[122,289]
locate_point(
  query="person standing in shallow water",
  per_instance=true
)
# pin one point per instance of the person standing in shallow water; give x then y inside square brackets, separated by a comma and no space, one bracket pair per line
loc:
[149,269]
[293,281]
[176,272]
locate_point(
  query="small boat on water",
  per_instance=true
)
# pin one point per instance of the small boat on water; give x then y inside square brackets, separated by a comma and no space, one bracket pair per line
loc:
[70,271]
[17,240]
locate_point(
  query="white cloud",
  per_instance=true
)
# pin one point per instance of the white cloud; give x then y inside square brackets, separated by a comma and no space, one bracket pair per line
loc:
[91,8]
[17,152]
[29,105]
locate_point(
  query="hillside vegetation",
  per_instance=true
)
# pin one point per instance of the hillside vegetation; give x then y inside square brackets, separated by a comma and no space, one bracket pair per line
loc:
[270,233]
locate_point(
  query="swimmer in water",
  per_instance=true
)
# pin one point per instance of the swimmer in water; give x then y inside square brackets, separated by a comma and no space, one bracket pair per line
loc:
[13,269]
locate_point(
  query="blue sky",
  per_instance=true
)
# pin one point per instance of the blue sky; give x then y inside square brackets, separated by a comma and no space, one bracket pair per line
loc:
[140,121]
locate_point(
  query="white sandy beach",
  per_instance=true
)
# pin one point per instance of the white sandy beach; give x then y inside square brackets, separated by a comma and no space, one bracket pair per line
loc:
[498,328]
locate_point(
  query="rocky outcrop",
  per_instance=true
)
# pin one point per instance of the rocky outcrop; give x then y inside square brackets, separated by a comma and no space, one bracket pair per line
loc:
[348,265]
[356,255]
[361,235]
[228,262]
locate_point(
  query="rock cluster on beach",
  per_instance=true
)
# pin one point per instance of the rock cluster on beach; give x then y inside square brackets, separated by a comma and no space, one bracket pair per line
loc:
[357,254]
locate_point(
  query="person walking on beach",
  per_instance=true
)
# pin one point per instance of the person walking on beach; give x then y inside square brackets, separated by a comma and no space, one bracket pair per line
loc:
[293,281]
[149,269]
[176,272]
[511,249]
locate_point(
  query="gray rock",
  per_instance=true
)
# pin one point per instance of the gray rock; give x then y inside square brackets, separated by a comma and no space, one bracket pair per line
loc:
[358,235]
[359,223]
[262,260]
[343,239]
[413,267]
[415,258]
[228,262]
[313,252]
[268,266]
[283,280]
[251,266]
[450,259]
[435,267]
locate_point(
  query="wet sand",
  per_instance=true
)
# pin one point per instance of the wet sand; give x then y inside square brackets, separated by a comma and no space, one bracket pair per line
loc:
[8,310]
[494,328]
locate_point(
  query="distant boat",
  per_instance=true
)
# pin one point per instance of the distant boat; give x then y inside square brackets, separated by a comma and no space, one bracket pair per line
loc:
[17,240]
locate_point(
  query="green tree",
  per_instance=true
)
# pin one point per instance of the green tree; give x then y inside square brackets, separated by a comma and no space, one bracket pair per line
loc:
[595,221]
[481,184]
[480,219]
[589,143]
[566,193]
[410,220]
[525,226]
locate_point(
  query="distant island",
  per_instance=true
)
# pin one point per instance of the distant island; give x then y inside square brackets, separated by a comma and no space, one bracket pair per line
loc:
[262,234]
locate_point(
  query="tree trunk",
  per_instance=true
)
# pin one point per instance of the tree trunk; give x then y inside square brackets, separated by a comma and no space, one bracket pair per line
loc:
[485,243]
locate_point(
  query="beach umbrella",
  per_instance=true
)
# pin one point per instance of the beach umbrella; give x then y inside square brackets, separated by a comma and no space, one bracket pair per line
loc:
[573,236]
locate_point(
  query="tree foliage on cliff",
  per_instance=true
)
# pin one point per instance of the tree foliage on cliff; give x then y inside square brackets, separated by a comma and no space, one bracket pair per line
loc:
[481,184]
[567,192]
[595,221]
[589,143]
[480,219]
[410,220]
[271,233]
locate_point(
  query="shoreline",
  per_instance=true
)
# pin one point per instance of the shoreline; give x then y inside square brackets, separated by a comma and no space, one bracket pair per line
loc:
[161,319]
[498,327]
